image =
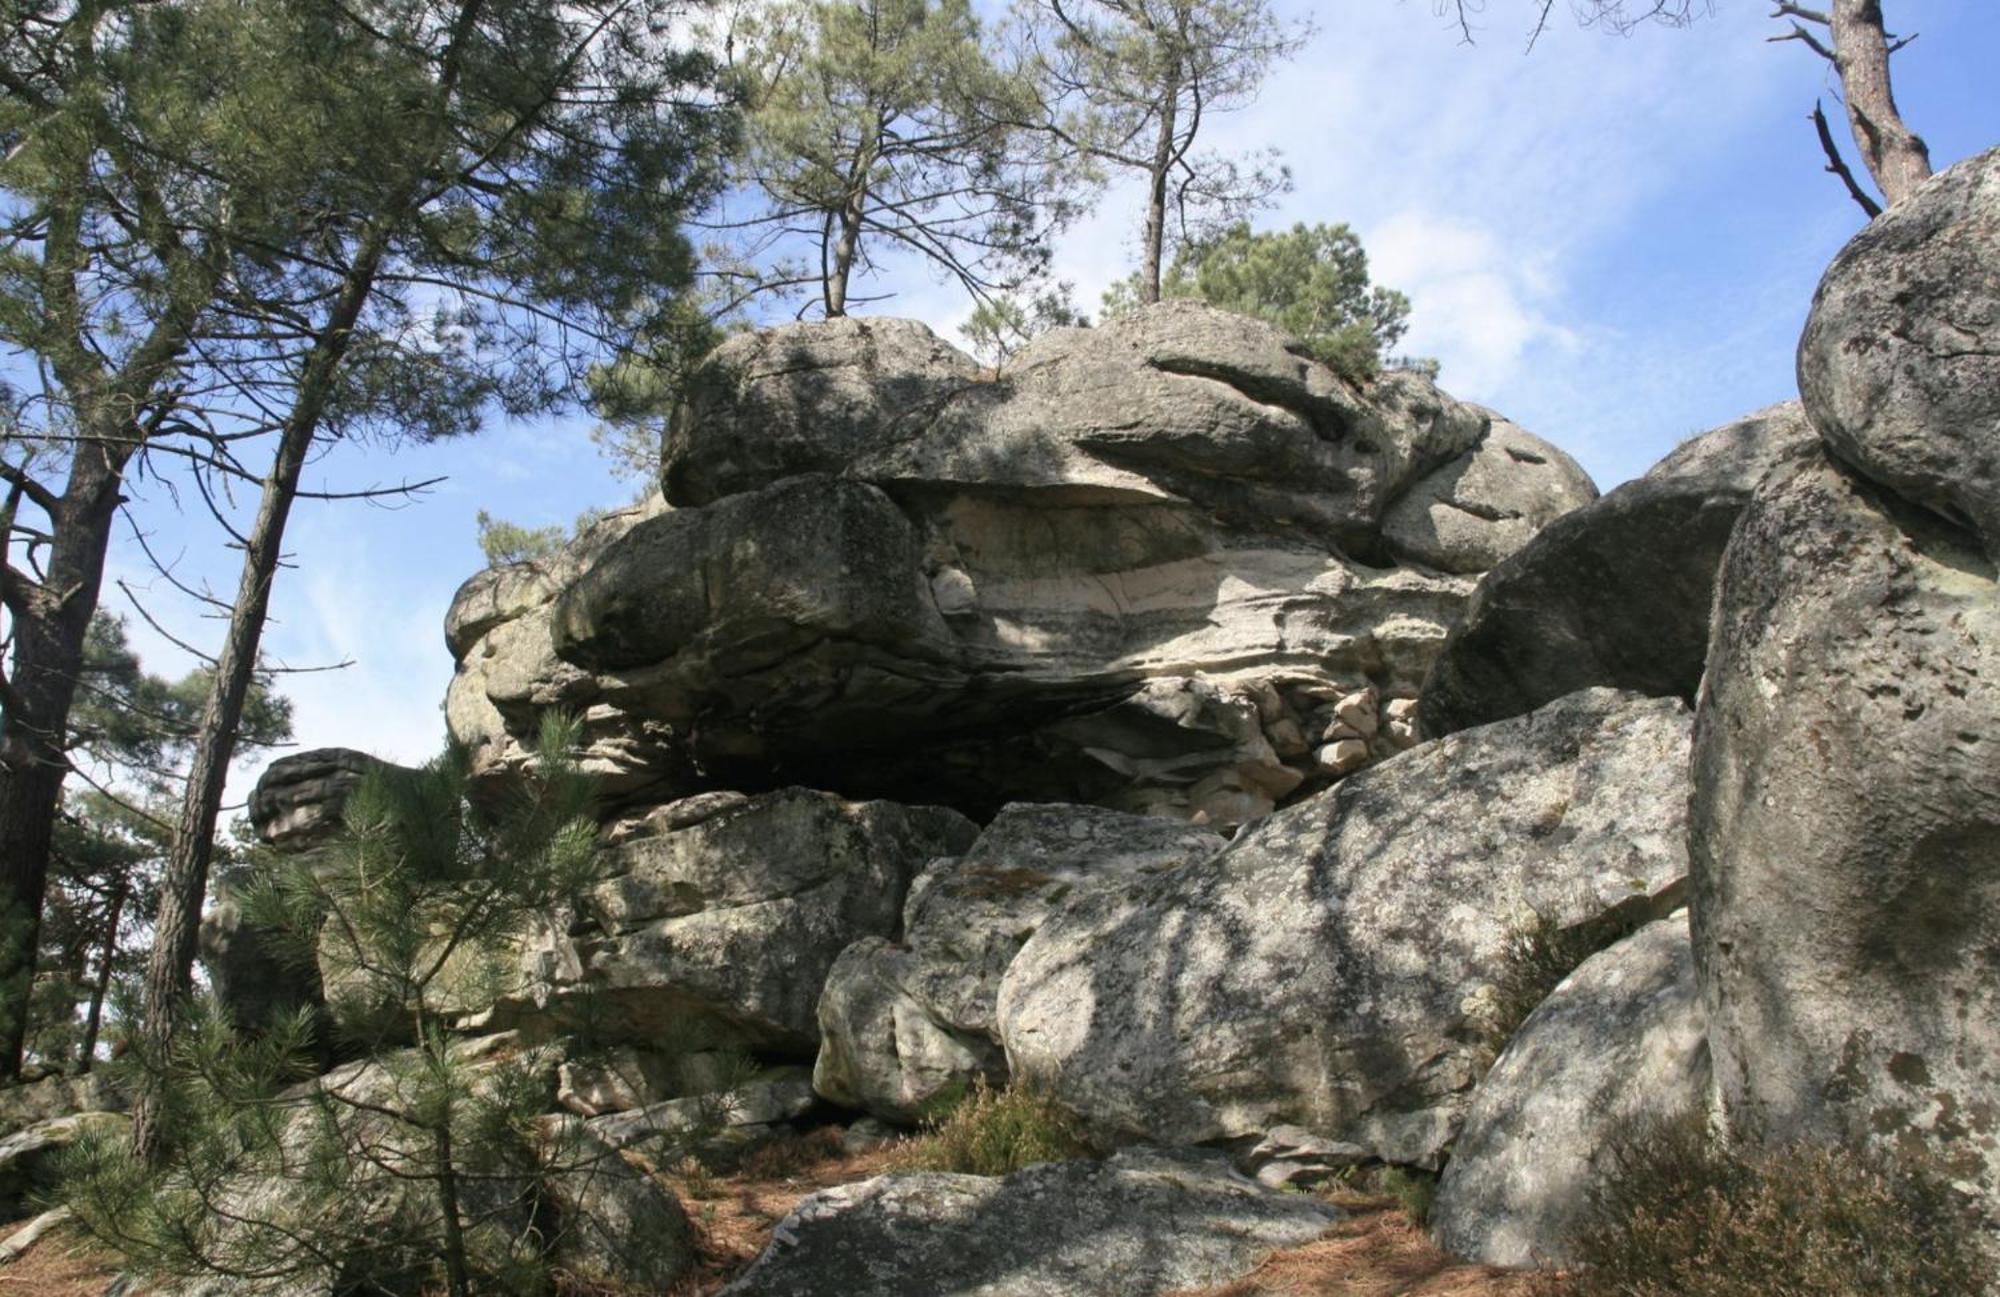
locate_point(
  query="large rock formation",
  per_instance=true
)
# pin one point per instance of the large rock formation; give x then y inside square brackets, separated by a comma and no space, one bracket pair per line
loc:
[905,1024]
[1614,594]
[1143,1224]
[1622,1041]
[1327,969]
[1845,828]
[1846,825]
[1900,361]
[1141,568]
[723,930]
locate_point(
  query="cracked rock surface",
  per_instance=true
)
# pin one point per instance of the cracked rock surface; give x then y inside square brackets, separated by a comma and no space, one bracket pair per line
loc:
[1137,568]
[1140,1224]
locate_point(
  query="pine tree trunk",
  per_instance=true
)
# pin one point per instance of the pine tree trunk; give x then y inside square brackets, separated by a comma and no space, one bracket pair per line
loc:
[1894,155]
[1156,193]
[49,633]
[170,964]
[94,1018]
[458,1281]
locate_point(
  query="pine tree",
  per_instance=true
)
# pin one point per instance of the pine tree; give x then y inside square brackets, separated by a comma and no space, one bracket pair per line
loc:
[1311,281]
[423,1166]
[885,125]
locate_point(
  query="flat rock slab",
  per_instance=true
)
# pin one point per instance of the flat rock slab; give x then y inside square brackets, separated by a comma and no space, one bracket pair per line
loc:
[1144,1222]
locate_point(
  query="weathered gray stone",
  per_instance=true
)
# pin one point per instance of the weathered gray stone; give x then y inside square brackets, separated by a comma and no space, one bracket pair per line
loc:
[298,800]
[617,1080]
[1615,594]
[1139,1225]
[805,398]
[1845,827]
[902,1025]
[896,576]
[1474,511]
[1329,969]
[508,676]
[1622,1040]
[24,1154]
[1900,361]
[762,1102]
[57,1096]
[884,1049]
[729,926]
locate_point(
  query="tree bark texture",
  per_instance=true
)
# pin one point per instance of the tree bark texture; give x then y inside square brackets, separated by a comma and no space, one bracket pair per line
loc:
[1894,155]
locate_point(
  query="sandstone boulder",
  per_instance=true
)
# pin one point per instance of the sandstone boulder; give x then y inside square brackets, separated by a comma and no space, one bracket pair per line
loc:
[1477,509]
[298,800]
[508,676]
[1143,1224]
[1331,968]
[724,931]
[1845,826]
[1614,594]
[806,398]
[1900,361]
[1135,570]
[902,1024]
[1621,1041]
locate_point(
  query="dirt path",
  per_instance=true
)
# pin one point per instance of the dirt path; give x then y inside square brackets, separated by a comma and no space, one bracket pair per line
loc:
[1376,1252]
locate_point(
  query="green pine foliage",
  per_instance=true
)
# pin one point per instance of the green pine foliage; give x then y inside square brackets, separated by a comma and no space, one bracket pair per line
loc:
[887,124]
[1311,281]
[423,1167]
[509,542]
[1002,325]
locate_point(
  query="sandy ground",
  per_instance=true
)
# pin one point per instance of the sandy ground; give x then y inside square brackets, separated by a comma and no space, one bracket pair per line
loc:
[1375,1252]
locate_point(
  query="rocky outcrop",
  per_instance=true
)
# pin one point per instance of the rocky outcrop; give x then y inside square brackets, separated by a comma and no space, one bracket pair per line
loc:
[905,1023]
[1846,825]
[1900,362]
[297,807]
[723,930]
[1622,1041]
[743,1111]
[298,800]
[1140,569]
[1142,1224]
[1329,969]
[1615,594]
[24,1155]
[1473,512]
[508,676]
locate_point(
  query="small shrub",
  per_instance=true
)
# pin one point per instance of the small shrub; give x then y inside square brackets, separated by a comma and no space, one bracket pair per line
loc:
[1414,1191]
[1680,1215]
[507,542]
[1541,952]
[994,1132]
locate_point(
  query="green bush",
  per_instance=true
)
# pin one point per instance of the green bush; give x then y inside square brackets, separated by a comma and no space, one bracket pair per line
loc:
[994,1132]
[1681,1215]
[1541,952]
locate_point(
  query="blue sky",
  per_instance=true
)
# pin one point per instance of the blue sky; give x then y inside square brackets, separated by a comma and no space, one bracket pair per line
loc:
[1612,240]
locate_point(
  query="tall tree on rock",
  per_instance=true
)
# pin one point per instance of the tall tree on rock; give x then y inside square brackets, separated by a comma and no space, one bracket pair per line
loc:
[884,125]
[1129,85]
[1850,35]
